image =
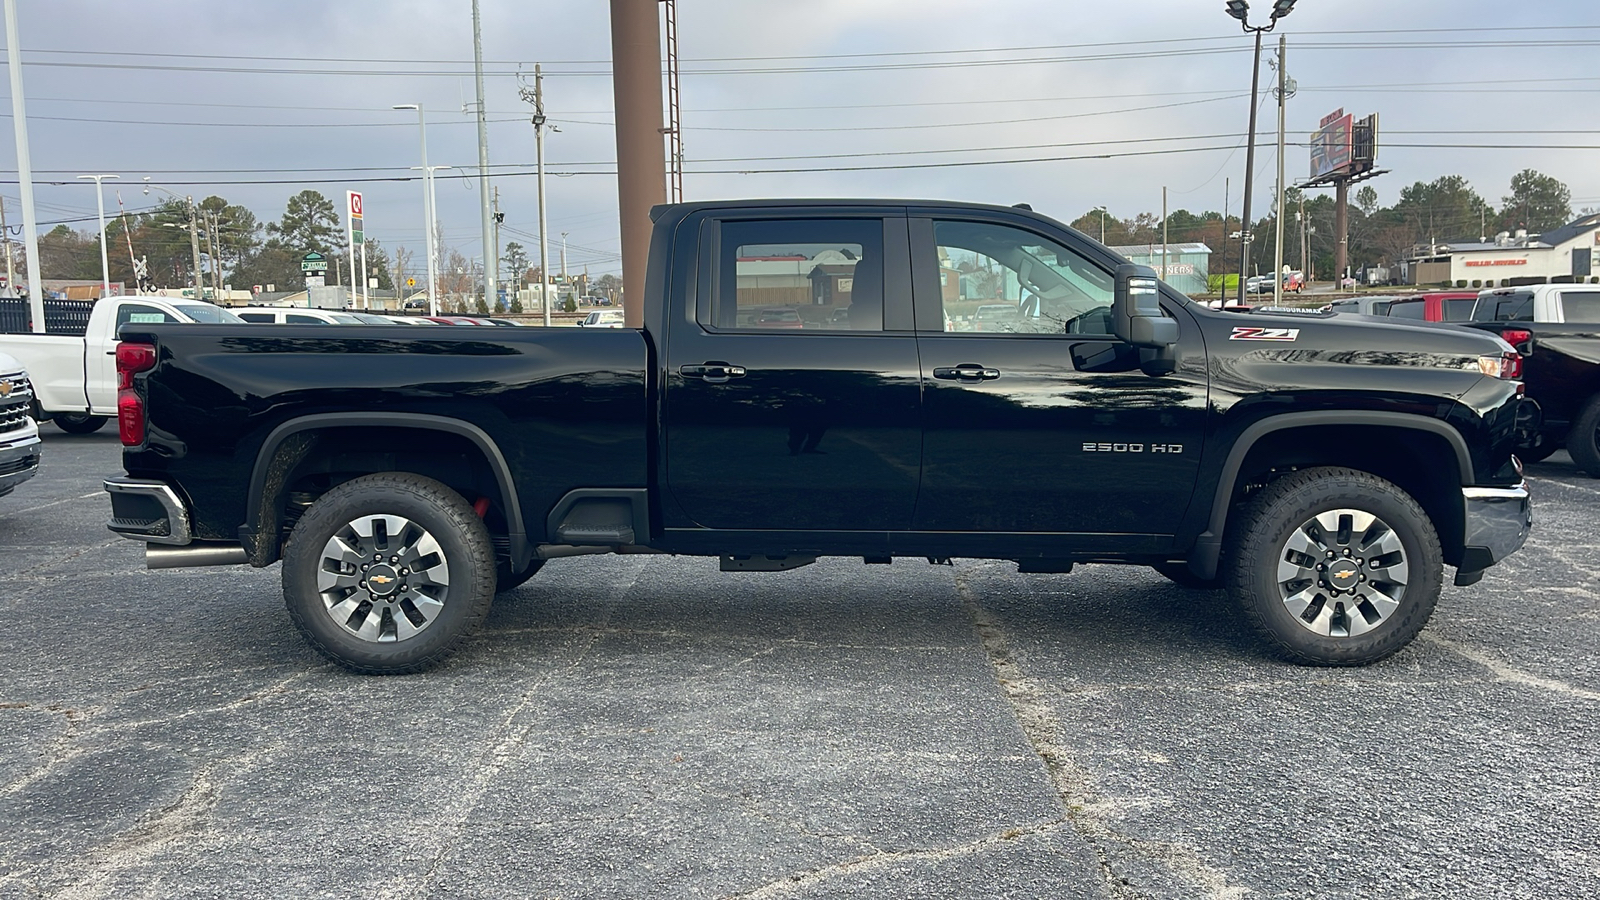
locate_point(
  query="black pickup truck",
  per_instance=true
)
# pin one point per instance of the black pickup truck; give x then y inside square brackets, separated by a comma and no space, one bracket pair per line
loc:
[1556,329]
[871,379]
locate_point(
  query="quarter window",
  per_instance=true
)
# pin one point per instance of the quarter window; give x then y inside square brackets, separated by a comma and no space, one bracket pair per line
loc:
[1408,309]
[999,279]
[798,275]
[1582,307]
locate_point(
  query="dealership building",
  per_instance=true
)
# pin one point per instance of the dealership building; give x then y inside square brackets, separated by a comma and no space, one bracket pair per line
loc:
[1188,269]
[1569,253]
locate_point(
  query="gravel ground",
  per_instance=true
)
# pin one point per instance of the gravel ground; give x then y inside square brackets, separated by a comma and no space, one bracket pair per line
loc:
[648,727]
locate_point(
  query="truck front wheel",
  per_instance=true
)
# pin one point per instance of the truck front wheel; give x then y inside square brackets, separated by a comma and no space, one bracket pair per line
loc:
[78,424]
[1335,567]
[388,574]
[1583,442]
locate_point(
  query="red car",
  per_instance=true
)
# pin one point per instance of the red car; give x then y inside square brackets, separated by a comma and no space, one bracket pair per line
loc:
[1435,306]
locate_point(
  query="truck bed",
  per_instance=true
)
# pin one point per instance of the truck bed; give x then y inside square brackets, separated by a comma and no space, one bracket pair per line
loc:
[566,407]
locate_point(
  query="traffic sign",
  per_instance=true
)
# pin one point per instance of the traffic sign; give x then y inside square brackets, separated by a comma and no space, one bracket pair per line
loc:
[411,282]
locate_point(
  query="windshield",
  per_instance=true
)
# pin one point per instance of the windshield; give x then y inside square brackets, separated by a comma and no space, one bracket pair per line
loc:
[210,315]
[1512,307]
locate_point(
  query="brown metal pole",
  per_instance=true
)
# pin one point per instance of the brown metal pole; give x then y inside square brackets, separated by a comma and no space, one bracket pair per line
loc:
[1341,230]
[641,157]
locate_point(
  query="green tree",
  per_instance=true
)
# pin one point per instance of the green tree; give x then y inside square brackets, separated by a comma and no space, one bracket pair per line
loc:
[378,264]
[1536,202]
[272,264]
[1443,209]
[516,259]
[238,233]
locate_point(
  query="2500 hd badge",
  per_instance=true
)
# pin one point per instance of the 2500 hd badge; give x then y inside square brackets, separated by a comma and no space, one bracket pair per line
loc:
[1093,447]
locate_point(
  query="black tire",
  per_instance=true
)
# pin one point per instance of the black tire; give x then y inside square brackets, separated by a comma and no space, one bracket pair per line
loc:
[505,581]
[1180,574]
[439,618]
[72,423]
[1583,442]
[1365,622]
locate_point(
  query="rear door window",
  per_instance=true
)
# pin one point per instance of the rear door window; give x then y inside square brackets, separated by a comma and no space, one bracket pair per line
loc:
[798,275]
[1459,310]
[1409,309]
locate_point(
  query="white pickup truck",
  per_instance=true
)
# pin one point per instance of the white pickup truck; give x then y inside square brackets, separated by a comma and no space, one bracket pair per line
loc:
[74,373]
[19,436]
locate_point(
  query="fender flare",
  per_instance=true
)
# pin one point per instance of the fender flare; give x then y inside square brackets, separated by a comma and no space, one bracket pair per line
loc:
[521,552]
[1203,558]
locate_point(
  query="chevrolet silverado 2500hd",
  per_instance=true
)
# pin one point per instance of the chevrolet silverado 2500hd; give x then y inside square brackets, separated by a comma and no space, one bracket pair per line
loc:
[1324,469]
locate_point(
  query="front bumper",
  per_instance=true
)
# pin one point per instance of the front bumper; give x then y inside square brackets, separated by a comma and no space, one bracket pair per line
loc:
[19,461]
[1497,524]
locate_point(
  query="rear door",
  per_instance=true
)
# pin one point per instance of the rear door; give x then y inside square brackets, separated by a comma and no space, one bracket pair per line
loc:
[1051,428]
[792,393]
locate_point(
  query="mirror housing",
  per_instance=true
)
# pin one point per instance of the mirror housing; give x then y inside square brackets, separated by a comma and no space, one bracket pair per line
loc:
[1136,315]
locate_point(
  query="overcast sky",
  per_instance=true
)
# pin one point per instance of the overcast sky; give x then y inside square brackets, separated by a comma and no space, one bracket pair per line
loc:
[205,97]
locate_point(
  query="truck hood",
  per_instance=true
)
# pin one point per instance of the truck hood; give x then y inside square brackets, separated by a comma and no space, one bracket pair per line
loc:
[9,364]
[1441,344]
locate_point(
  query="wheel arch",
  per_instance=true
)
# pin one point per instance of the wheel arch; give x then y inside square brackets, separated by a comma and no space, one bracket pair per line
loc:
[1426,457]
[291,443]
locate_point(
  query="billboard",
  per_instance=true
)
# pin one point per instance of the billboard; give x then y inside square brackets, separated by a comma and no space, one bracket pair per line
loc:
[1330,144]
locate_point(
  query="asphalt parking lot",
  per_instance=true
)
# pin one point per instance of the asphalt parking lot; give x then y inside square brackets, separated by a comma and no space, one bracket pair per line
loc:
[649,727]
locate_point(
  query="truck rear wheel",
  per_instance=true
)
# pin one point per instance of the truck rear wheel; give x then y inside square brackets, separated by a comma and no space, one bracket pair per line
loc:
[1583,441]
[79,424]
[388,574]
[1335,567]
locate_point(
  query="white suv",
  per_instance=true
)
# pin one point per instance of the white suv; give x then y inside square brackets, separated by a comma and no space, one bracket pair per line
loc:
[19,435]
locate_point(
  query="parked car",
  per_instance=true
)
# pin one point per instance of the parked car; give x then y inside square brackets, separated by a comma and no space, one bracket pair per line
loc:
[295,315]
[72,367]
[19,434]
[456,320]
[1556,329]
[1434,306]
[778,317]
[1325,469]
[996,317]
[1258,284]
[603,319]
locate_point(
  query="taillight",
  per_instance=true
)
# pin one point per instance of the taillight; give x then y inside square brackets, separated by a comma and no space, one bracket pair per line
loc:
[131,360]
[1516,337]
[1507,366]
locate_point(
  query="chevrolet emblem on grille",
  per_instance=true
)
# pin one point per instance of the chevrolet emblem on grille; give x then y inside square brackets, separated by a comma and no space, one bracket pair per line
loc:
[6,387]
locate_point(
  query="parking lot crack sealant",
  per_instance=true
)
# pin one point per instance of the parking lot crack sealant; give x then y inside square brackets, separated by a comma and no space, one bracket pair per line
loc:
[1082,806]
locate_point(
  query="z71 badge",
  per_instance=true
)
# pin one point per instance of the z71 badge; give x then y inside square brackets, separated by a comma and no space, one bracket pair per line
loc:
[1245,333]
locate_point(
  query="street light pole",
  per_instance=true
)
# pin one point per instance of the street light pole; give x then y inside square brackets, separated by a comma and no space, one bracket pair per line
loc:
[1240,9]
[1102,211]
[100,202]
[427,209]
[490,276]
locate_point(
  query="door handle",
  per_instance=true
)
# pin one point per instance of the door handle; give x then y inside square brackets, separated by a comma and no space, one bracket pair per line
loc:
[966,372]
[713,372]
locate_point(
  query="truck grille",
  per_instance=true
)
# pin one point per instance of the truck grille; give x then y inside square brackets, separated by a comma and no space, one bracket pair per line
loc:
[16,399]
[22,464]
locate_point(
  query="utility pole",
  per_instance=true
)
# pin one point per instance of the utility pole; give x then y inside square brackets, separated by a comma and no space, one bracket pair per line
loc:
[674,105]
[641,169]
[564,257]
[1165,268]
[5,235]
[536,97]
[498,218]
[1285,88]
[194,248]
[1227,186]
[1245,236]
[19,122]
[491,248]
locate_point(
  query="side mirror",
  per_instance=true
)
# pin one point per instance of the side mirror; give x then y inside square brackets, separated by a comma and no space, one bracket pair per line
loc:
[1136,315]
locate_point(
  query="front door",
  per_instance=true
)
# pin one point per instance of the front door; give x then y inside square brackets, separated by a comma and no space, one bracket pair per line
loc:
[1037,419]
[791,393]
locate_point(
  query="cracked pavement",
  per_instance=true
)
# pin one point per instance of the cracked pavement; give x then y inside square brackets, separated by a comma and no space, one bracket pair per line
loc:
[649,727]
